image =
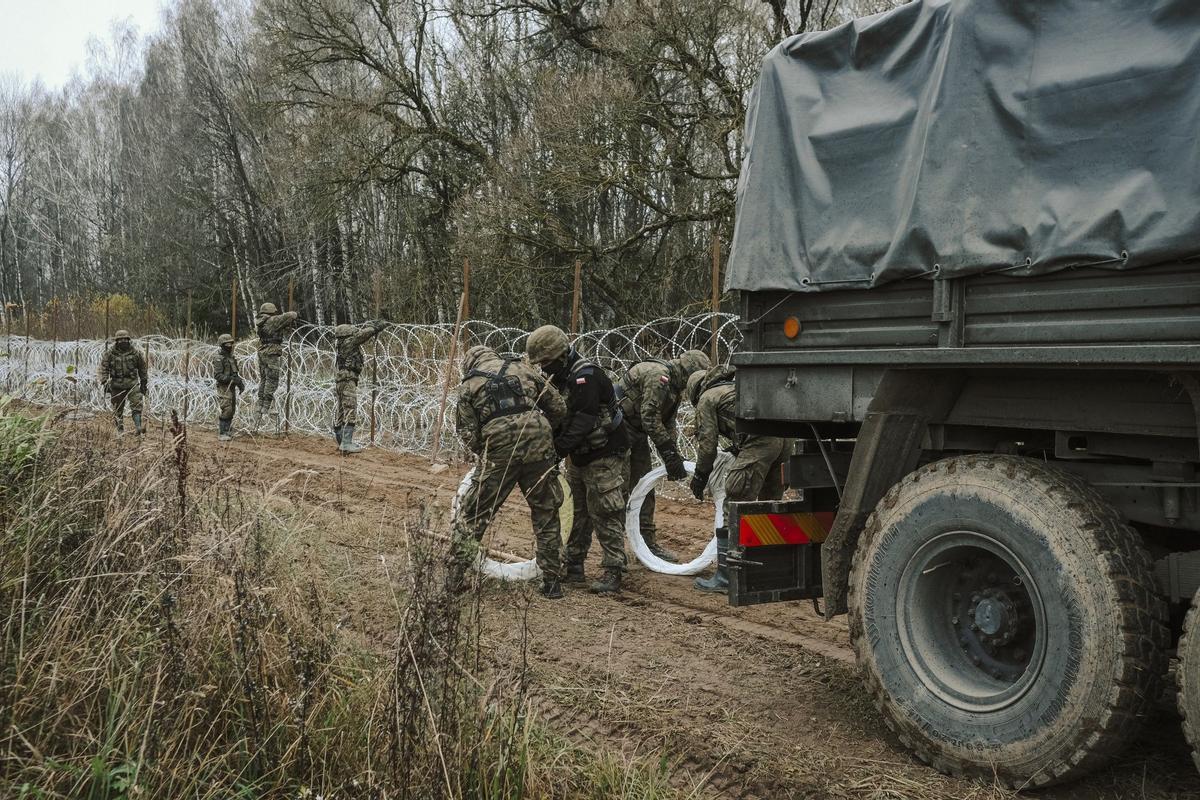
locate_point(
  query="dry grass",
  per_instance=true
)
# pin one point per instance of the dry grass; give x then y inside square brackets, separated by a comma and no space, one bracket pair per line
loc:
[161,639]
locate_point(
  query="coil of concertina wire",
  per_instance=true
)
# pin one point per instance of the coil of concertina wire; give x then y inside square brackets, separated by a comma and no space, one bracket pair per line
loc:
[411,369]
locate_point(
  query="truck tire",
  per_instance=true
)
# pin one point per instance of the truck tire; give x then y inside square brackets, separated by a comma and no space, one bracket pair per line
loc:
[1004,620]
[1189,678]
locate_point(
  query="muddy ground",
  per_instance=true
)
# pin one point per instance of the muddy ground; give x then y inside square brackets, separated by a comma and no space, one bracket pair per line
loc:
[761,702]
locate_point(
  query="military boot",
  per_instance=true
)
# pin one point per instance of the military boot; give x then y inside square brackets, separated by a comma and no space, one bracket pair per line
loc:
[609,583]
[137,423]
[224,430]
[658,550]
[574,574]
[337,433]
[719,582]
[552,589]
[347,444]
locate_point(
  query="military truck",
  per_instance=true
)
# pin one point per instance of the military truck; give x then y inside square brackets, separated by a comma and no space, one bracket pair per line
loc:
[966,252]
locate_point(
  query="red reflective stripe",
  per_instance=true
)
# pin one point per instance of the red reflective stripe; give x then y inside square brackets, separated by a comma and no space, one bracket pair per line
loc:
[789,528]
[746,534]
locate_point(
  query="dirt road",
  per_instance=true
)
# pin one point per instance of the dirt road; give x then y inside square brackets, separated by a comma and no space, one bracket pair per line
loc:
[740,703]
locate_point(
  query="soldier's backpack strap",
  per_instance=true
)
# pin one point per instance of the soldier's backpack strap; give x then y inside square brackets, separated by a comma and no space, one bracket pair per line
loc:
[505,394]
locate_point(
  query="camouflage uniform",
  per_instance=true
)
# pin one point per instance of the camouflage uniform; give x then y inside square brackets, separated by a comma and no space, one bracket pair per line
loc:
[229,383]
[123,374]
[350,363]
[756,471]
[598,464]
[499,421]
[272,330]
[650,395]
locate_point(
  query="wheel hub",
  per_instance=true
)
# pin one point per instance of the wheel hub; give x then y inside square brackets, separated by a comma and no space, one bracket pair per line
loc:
[971,621]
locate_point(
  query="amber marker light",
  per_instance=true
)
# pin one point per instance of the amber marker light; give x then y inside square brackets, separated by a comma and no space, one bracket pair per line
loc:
[791,327]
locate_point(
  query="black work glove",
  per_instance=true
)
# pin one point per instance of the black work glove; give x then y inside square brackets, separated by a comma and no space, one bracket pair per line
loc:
[674,464]
[145,387]
[240,384]
[699,483]
[378,325]
[559,449]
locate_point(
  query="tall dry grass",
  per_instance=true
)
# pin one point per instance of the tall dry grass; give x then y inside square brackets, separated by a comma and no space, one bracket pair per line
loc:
[158,642]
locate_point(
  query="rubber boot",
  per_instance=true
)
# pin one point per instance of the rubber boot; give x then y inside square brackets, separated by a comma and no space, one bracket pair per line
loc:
[552,589]
[337,433]
[347,444]
[137,423]
[719,582]
[609,583]
[224,428]
[574,574]
[660,551]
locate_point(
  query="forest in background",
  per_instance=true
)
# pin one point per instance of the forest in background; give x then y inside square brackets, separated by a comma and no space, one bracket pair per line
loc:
[317,143]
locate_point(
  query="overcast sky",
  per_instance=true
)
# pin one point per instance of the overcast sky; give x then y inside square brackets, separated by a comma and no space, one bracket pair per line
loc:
[48,38]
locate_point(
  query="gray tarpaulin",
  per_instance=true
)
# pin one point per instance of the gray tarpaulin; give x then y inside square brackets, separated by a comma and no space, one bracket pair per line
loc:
[972,137]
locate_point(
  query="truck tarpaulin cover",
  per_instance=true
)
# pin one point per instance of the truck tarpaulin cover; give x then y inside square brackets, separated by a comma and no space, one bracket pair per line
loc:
[968,137]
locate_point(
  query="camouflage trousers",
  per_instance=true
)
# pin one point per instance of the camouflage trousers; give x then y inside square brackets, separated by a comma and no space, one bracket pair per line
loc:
[268,379]
[226,401]
[118,397]
[493,483]
[757,471]
[345,392]
[640,463]
[599,495]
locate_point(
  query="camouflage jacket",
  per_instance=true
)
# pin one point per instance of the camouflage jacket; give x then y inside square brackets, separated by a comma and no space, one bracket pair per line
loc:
[272,330]
[350,359]
[123,369]
[716,416]
[497,435]
[650,393]
[225,369]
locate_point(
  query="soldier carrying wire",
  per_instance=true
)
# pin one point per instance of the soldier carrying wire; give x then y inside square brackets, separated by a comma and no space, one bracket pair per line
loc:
[506,415]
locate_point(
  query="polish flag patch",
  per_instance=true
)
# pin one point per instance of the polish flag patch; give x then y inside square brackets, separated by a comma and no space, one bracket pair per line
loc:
[580,380]
[663,379]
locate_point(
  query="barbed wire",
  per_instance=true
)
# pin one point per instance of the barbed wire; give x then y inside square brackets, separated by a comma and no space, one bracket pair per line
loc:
[408,375]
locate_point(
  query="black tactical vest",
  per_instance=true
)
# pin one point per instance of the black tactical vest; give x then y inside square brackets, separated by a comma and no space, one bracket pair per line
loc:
[502,395]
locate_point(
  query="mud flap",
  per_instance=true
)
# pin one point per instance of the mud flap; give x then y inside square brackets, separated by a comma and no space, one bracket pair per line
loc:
[775,551]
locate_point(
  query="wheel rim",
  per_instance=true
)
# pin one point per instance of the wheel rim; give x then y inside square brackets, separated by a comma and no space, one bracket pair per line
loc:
[971,621]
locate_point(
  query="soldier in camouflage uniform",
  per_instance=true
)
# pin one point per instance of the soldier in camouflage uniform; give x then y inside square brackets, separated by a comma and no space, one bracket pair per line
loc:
[123,376]
[505,416]
[229,383]
[650,395]
[595,440]
[272,328]
[350,362]
[756,471]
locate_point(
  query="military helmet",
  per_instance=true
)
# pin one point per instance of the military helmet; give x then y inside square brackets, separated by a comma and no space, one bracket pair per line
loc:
[224,339]
[693,388]
[267,309]
[121,334]
[343,330]
[546,344]
[476,354]
[693,361]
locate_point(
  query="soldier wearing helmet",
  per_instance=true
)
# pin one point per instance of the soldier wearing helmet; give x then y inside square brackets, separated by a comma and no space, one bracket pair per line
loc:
[272,328]
[650,395]
[505,416]
[123,376]
[349,340]
[756,471]
[229,383]
[595,440]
